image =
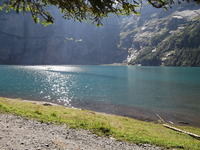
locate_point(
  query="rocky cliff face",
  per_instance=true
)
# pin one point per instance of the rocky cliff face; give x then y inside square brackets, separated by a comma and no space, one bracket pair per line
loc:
[168,38]
[66,42]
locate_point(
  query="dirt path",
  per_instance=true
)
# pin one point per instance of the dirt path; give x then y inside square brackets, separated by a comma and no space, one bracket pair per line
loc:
[17,133]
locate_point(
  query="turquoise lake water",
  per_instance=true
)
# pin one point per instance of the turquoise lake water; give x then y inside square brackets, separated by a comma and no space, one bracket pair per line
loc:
[168,89]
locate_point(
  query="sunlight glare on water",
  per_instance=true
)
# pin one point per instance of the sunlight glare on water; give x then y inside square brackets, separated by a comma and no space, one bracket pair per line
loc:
[60,84]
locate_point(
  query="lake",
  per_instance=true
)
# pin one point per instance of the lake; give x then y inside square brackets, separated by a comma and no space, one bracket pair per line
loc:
[134,91]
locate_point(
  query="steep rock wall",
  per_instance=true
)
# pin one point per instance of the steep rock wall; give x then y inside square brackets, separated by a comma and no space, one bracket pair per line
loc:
[66,42]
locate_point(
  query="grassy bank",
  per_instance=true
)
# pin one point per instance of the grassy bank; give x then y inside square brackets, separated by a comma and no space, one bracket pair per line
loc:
[121,128]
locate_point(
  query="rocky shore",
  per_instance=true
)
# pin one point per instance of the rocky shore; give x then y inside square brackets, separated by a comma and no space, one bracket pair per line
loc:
[18,133]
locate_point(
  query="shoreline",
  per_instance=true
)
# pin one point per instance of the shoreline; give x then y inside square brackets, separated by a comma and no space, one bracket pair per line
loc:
[110,126]
[133,112]
[142,114]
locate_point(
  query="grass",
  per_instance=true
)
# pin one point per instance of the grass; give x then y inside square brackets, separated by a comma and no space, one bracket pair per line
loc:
[121,128]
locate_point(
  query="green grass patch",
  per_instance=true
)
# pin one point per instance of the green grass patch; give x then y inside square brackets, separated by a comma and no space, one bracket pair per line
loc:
[121,128]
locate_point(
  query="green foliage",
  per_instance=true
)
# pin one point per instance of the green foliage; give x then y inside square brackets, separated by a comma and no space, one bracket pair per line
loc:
[54,114]
[79,9]
[155,40]
[121,128]
[185,57]
[185,45]
[38,112]
[147,58]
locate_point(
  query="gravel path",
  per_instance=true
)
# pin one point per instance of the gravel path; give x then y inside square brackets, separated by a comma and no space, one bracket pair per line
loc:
[17,133]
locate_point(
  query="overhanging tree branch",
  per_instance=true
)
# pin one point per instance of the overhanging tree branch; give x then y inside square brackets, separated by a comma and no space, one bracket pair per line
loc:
[81,9]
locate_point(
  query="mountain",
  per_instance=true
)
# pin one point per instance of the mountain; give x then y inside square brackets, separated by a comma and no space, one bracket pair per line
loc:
[163,38]
[66,42]
[156,37]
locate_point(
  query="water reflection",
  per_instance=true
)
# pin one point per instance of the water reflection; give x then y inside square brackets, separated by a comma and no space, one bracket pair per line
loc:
[58,87]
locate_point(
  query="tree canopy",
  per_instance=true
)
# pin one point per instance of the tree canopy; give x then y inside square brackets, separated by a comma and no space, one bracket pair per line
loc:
[81,10]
